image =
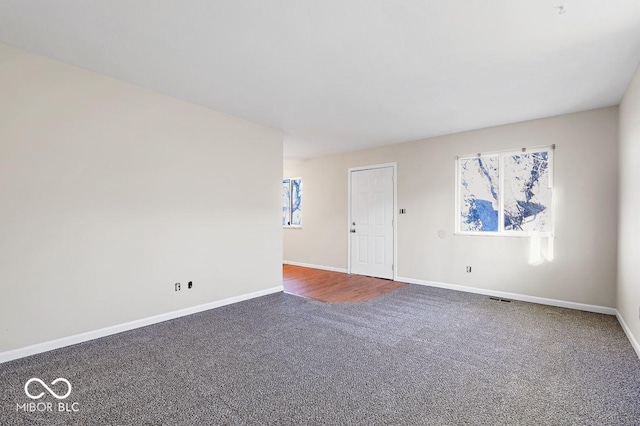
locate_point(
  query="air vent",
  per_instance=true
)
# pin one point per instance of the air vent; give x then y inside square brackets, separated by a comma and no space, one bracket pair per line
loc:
[499,299]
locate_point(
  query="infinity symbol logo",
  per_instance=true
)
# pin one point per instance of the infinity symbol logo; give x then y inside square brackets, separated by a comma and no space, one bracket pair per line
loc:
[41,394]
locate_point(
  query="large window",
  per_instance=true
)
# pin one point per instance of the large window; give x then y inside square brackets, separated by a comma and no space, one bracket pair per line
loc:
[292,202]
[506,193]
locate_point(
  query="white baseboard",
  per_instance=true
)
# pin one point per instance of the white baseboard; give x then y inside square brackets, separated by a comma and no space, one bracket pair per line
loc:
[119,328]
[308,265]
[627,331]
[534,299]
[515,296]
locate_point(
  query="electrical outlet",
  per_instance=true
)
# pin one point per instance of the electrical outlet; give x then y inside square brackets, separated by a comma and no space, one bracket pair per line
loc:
[190,284]
[468,268]
[177,286]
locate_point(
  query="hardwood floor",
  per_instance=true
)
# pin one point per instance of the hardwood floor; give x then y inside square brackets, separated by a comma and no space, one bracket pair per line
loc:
[334,287]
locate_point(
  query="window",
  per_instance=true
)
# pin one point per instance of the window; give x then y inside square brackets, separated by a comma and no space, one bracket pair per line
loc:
[292,202]
[507,193]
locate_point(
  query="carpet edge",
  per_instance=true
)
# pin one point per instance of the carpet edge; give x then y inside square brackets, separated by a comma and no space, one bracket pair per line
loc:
[627,332]
[515,296]
[62,342]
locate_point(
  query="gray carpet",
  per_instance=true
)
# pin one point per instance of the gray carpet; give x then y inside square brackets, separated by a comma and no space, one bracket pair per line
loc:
[418,355]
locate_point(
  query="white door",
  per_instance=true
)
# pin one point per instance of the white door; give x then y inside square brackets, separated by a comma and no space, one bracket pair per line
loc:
[371,222]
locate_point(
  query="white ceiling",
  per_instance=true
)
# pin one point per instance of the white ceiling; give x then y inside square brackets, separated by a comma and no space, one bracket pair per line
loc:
[340,75]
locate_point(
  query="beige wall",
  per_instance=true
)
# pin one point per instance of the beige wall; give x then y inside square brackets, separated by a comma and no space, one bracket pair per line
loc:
[584,269]
[111,193]
[629,229]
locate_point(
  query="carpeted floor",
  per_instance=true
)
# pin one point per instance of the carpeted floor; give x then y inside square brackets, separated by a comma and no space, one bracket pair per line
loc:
[418,355]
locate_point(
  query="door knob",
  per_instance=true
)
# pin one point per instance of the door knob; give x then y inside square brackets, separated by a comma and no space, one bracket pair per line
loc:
[353,231]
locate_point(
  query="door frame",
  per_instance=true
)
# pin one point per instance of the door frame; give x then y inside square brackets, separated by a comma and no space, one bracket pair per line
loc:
[395,212]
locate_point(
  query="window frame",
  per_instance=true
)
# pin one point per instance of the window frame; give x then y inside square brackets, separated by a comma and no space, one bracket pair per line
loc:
[288,225]
[502,155]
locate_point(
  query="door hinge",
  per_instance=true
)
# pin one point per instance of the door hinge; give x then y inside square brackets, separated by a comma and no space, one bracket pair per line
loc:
[392,266]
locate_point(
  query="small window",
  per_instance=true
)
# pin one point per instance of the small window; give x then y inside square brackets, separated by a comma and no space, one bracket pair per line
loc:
[292,202]
[507,193]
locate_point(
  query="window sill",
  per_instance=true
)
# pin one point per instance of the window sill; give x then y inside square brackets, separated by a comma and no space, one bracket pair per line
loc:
[522,234]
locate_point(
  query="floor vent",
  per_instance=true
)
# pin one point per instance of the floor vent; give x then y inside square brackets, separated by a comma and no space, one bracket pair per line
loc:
[499,299]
